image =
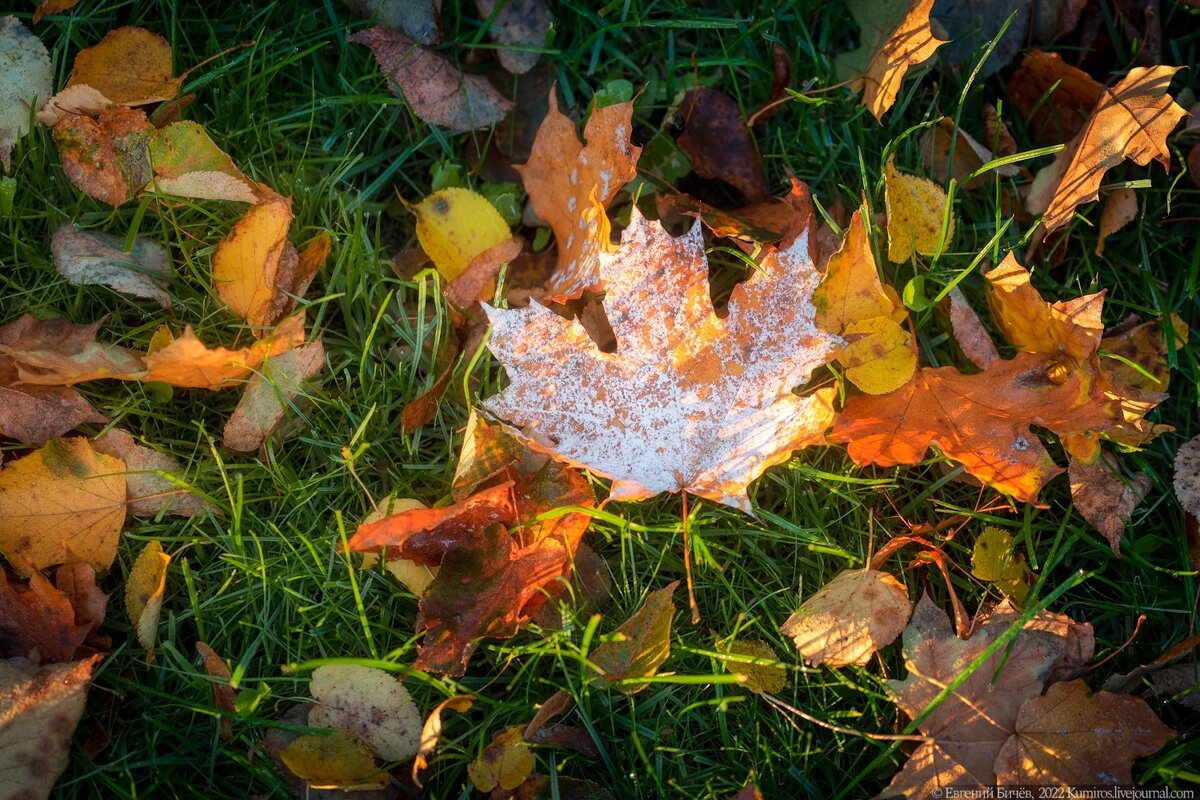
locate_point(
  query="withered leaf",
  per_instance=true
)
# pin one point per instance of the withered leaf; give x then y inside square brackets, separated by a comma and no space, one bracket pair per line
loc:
[437,91]
[224,697]
[105,158]
[1187,476]
[690,401]
[62,500]
[28,81]
[505,763]
[489,581]
[34,414]
[575,207]
[269,395]
[1130,121]
[970,335]
[58,352]
[910,44]
[431,731]
[1070,737]
[97,258]
[129,66]
[186,361]
[37,621]
[850,618]
[640,645]
[969,727]
[148,488]
[1105,497]
[520,28]
[188,163]
[369,703]
[247,262]
[1057,97]
[39,710]
[717,140]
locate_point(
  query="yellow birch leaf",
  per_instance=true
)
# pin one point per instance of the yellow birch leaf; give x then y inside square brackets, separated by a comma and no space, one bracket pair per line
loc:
[144,592]
[881,360]
[413,576]
[455,225]
[130,66]
[852,302]
[65,497]
[993,559]
[246,263]
[759,678]
[505,763]
[915,208]
[336,761]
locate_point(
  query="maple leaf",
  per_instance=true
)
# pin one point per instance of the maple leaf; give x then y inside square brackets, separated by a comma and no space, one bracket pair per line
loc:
[982,421]
[1130,121]
[575,207]
[489,581]
[911,43]
[1071,737]
[967,729]
[689,401]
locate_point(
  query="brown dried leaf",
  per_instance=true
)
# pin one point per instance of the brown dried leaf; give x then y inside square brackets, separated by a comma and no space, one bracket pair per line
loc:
[148,489]
[718,142]
[58,352]
[690,401]
[437,91]
[1069,737]
[969,333]
[106,158]
[432,731]
[37,621]
[224,697]
[969,727]
[850,618]
[1120,209]
[39,710]
[520,28]
[1106,498]
[639,647]
[62,500]
[575,207]
[270,394]
[418,19]
[1187,476]
[371,704]
[1130,121]
[1059,116]
[32,414]
[100,259]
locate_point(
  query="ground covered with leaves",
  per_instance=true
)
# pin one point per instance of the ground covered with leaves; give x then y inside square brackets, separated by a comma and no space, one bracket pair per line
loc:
[638,400]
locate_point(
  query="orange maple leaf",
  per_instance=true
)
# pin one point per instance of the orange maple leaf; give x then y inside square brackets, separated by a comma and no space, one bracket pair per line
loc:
[690,401]
[570,184]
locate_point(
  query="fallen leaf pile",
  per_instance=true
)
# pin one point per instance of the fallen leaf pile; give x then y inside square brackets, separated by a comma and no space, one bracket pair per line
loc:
[767,328]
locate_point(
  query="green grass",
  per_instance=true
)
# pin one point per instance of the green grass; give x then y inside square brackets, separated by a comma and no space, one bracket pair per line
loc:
[264,583]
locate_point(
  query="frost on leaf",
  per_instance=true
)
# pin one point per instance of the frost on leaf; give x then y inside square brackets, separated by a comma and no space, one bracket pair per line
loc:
[689,401]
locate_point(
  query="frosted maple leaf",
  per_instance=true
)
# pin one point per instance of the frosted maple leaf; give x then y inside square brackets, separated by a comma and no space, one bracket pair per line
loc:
[690,401]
